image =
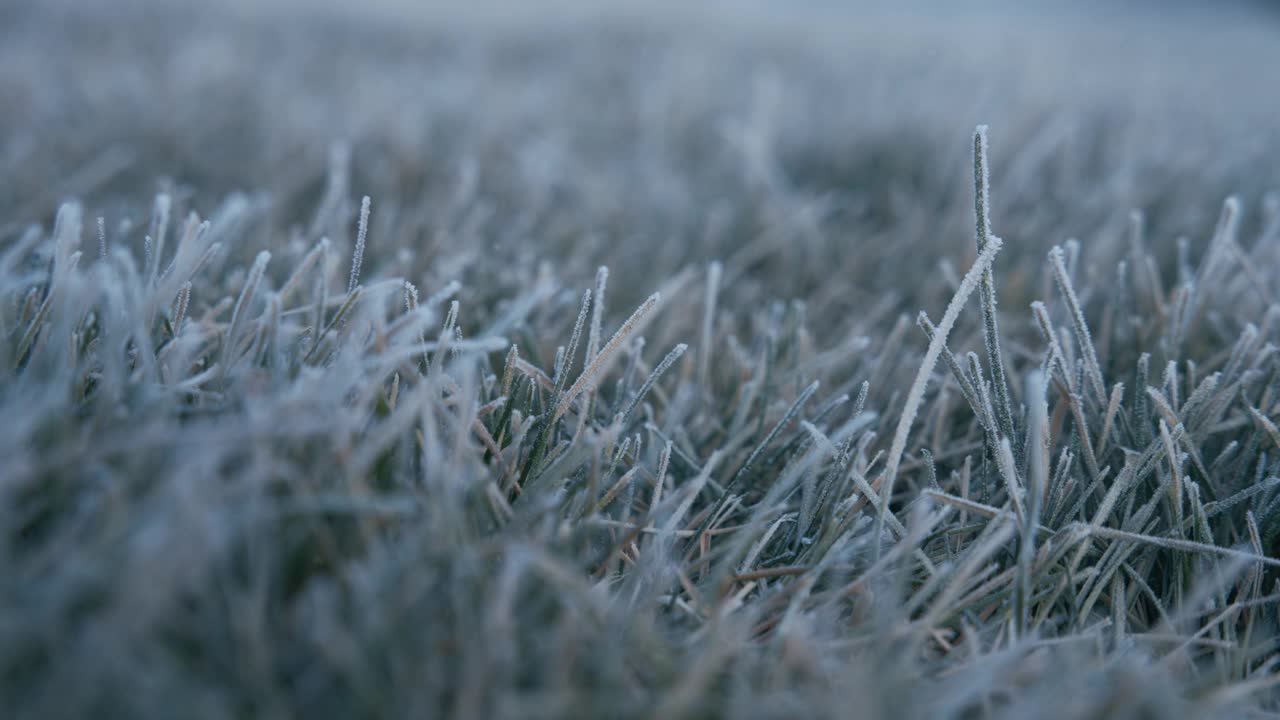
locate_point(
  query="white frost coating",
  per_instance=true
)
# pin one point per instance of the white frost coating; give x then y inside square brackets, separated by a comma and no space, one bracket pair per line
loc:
[916,394]
[357,258]
[242,303]
[592,371]
[1094,370]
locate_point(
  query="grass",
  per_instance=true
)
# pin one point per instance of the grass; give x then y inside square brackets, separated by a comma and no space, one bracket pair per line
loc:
[621,412]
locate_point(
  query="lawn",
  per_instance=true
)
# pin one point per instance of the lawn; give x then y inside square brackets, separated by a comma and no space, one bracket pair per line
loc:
[885,361]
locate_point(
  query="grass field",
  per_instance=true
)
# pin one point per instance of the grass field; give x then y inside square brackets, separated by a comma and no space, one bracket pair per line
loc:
[638,362]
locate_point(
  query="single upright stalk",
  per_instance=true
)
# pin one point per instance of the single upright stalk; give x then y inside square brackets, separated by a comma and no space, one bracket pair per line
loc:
[987,289]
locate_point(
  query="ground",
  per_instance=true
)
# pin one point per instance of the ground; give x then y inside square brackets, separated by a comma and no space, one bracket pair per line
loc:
[894,360]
